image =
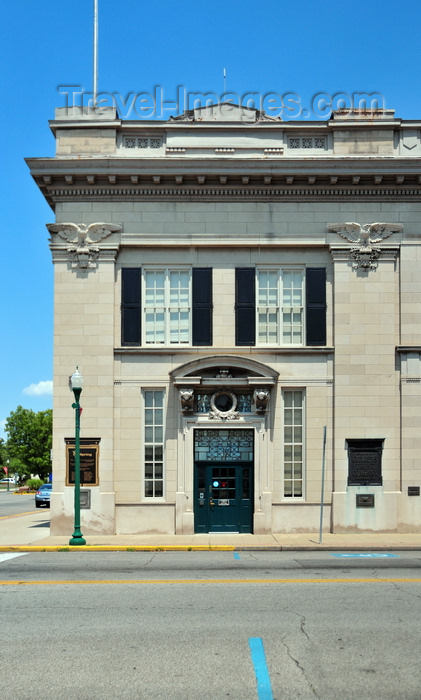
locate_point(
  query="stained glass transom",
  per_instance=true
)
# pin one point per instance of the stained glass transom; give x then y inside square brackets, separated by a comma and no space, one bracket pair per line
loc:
[223,445]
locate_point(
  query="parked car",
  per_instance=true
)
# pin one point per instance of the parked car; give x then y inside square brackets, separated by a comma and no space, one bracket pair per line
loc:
[43,495]
[8,480]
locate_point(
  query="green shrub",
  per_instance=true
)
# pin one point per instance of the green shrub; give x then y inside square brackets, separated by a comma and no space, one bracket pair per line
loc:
[34,484]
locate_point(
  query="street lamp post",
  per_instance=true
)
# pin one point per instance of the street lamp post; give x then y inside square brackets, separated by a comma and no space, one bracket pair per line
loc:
[76,383]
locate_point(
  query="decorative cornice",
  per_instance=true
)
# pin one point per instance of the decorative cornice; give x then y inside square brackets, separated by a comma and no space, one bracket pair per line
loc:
[231,178]
[206,192]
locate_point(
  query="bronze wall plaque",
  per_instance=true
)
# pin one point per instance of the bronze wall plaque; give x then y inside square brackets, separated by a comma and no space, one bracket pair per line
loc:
[365,462]
[413,490]
[364,500]
[89,461]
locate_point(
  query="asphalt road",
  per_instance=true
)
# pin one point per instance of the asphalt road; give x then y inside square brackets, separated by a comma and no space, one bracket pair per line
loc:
[13,504]
[210,626]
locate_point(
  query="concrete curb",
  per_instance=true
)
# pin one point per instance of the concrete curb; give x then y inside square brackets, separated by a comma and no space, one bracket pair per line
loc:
[207,548]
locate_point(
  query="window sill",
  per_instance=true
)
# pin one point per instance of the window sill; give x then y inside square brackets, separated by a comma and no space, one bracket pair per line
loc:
[239,349]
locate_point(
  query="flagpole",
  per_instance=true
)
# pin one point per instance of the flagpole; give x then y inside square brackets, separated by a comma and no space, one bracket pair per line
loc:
[95,76]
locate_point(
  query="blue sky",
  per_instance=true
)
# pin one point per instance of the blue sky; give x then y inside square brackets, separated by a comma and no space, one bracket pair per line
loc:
[304,47]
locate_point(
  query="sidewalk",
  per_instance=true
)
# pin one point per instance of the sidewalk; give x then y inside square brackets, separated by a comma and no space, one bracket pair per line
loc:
[30,532]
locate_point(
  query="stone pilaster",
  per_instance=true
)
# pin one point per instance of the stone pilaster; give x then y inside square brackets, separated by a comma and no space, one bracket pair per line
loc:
[366,389]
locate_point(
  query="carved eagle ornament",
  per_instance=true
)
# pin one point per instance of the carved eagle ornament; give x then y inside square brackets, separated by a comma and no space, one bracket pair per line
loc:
[365,236]
[82,235]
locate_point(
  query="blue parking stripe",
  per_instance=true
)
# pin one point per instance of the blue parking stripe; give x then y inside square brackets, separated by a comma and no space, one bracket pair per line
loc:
[264,689]
[236,555]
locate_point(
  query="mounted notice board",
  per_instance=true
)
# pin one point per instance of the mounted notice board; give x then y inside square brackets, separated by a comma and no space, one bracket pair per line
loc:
[89,461]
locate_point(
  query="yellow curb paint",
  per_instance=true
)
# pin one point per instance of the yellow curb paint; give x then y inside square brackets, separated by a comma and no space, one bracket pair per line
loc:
[17,515]
[210,581]
[116,548]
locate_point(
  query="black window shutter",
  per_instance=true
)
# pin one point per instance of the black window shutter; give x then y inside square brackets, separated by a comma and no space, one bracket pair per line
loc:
[245,306]
[202,306]
[316,306]
[130,305]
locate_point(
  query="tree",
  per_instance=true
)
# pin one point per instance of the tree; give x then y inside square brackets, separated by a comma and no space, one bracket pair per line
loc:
[30,439]
[3,453]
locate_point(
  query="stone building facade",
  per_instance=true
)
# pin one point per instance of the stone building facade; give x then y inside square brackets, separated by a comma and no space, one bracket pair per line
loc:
[242,296]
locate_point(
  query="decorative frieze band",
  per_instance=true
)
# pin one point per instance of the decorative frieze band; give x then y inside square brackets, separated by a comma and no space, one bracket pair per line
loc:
[264,193]
[223,404]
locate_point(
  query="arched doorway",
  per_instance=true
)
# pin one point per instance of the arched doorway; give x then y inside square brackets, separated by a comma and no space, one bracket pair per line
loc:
[222,473]
[223,480]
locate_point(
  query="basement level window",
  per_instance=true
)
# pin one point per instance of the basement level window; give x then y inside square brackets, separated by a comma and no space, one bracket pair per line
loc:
[307,142]
[142,142]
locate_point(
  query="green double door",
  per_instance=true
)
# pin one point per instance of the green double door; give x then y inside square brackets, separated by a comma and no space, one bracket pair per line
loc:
[223,497]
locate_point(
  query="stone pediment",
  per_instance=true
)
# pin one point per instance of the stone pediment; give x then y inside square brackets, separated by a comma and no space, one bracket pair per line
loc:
[223,370]
[224,112]
[224,387]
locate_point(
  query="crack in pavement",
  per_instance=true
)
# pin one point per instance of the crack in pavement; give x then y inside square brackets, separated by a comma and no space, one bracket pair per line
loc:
[150,560]
[301,668]
[302,623]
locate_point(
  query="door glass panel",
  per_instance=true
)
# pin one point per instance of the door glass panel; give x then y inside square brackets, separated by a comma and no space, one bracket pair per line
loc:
[201,478]
[223,482]
[246,483]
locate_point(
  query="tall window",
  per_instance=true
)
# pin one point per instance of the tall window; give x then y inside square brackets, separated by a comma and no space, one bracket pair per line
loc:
[154,443]
[167,307]
[280,307]
[293,444]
